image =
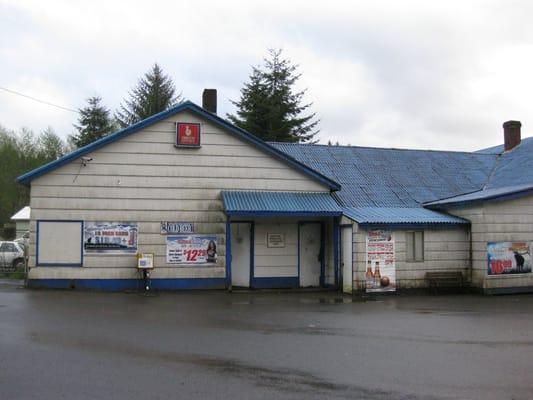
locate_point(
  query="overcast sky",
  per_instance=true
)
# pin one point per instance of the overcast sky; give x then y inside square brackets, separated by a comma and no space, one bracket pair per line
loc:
[408,74]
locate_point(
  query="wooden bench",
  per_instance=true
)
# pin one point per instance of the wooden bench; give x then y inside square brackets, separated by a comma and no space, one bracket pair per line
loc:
[444,279]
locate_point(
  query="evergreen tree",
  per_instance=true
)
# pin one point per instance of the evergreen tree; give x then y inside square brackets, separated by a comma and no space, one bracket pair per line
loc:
[155,92]
[94,122]
[50,145]
[21,152]
[269,106]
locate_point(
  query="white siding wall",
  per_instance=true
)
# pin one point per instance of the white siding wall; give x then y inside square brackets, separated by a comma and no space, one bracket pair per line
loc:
[499,221]
[145,179]
[276,262]
[444,250]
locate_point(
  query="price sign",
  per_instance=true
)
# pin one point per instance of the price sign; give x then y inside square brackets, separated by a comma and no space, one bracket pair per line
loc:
[191,249]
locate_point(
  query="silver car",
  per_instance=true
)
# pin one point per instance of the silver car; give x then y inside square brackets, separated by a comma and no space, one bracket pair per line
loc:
[11,256]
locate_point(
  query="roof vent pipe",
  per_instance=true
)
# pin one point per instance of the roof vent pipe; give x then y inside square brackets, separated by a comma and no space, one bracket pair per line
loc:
[511,134]
[209,100]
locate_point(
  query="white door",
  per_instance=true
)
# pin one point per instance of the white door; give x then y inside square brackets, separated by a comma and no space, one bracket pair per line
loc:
[310,254]
[346,248]
[241,233]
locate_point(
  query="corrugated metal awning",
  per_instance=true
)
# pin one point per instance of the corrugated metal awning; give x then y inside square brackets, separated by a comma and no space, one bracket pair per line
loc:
[399,215]
[259,203]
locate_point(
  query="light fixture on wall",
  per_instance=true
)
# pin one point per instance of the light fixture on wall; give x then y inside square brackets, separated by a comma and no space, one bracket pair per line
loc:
[85,160]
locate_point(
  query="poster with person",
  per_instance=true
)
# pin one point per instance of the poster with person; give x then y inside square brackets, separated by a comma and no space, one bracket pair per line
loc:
[506,258]
[191,249]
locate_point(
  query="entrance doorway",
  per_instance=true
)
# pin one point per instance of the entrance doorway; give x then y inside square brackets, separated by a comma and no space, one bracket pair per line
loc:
[241,243]
[310,254]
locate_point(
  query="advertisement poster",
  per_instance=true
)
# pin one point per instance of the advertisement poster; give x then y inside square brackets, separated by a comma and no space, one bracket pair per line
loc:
[380,273]
[508,258]
[191,249]
[109,237]
[187,135]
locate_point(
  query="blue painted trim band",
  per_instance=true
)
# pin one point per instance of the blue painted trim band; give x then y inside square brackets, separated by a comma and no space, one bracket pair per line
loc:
[188,105]
[494,198]
[128,284]
[413,226]
[283,213]
[276,283]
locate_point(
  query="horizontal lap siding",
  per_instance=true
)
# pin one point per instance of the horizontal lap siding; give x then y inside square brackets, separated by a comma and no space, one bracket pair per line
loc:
[499,221]
[444,250]
[276,262]
[143,178]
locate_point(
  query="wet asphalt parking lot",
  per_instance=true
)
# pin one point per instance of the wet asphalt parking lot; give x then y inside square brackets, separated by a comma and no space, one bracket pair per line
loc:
[263,345]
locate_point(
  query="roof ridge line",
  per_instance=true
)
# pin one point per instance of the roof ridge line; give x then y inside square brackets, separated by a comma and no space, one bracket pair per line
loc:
[383,148]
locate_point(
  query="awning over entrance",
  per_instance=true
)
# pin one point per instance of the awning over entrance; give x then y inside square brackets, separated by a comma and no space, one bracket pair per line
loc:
[258,203]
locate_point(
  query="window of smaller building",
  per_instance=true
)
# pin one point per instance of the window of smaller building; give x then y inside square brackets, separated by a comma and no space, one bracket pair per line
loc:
[414,246]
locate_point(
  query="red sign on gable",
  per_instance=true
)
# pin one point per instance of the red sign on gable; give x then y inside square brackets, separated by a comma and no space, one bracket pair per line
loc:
[187,135]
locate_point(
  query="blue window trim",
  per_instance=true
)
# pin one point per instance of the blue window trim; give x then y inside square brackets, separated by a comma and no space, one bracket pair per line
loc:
[187,105]
[39,264]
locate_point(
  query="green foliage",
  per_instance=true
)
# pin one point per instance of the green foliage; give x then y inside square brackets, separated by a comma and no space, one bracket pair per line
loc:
[94,122]
[269,106]
[155,92]
[21,152]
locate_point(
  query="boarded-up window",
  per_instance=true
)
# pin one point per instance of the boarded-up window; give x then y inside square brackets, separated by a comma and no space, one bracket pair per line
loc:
[414,246]
[59,243]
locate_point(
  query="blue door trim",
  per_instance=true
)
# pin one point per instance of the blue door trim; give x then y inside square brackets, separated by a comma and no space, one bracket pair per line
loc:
[336,252]
[228,253]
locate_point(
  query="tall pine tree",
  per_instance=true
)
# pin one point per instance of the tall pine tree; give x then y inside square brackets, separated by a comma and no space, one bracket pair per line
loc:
[271,108]
[155,92]
[94,122]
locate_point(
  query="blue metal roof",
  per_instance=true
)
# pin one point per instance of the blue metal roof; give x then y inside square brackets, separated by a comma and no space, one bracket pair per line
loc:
[241,133]
[511,177]
[374,177]
[398,215]
[255,203]
[514,167]
[483,195]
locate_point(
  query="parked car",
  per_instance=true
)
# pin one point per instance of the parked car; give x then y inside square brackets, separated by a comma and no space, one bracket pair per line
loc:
[11,256]
[23,241]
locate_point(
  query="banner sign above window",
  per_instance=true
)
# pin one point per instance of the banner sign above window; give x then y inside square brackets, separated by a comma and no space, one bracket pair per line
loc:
[187,134]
